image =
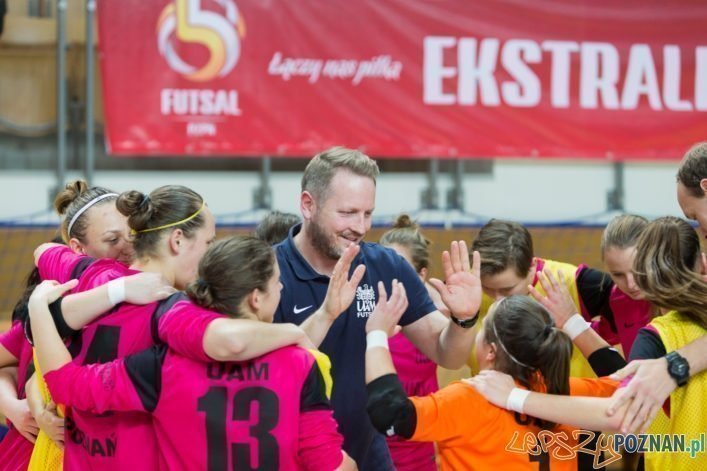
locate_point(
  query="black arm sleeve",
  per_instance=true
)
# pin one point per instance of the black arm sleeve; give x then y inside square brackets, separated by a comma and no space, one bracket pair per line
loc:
[61,326]
[389,408]
[58,317]
[606,361]
[145,372]
[647,346]
[594,289]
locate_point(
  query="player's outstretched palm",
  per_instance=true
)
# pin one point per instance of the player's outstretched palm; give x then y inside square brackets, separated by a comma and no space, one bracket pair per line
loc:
[558,300]
[461,291]
[342,289]
[388,311]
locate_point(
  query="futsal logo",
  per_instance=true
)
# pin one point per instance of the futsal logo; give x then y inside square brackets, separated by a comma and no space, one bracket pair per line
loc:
[187,21]
[365,301]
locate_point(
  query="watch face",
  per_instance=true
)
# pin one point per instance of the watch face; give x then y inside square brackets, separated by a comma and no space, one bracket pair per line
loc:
[680,369]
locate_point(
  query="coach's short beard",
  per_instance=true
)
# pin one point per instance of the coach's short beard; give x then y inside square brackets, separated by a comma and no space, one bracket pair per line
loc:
[321,242]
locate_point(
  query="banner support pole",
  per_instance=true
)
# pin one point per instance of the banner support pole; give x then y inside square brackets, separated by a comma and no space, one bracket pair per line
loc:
[455,195]
[262,195]
[60,99]
[90,137]
[430,195]
[615,196]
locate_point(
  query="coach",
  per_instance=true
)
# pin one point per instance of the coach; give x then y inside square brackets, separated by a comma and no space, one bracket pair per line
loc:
[337,202]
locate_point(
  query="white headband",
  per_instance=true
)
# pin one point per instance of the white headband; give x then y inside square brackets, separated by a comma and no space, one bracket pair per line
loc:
[85,208]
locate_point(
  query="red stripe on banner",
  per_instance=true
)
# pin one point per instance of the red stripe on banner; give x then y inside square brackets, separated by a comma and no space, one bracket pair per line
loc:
[405,78]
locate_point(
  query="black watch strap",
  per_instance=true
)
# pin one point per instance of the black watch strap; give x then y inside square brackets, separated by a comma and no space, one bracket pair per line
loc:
[465,323]
[678,368]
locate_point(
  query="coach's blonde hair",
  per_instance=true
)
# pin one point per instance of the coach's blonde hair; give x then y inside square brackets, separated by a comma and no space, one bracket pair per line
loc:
[321,169]
[668,257]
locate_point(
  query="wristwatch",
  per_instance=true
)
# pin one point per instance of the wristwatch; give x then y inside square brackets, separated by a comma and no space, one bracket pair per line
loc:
[678,368]
[465,323]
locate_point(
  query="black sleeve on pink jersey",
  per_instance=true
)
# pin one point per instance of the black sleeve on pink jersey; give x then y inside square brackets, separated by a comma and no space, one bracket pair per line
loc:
[313,395]
[390,410]
[61,326]
[80,267]
[647,346]
[162,308]
[606,361]
[145,372]
[58,316]
[55,308]
[594,288]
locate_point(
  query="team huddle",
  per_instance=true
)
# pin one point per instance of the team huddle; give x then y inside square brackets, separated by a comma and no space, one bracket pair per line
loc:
[142,342]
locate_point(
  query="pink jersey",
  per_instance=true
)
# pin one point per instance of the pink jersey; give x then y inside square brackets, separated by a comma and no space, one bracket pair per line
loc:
[107,441]
[13,339]
[183,328]
[418,375]
[16,450]
[269,413]
[59,263]
[630,316]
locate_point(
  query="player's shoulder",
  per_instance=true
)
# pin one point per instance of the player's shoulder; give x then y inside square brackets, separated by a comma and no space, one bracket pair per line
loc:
[292,353]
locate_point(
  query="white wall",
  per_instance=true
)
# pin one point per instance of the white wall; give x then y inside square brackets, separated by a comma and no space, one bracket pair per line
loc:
[528,191]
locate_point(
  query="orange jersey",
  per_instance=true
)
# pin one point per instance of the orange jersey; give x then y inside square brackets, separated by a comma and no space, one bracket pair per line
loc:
[473,434]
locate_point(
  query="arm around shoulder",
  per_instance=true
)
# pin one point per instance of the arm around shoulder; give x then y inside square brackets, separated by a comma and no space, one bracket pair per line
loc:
[244,339]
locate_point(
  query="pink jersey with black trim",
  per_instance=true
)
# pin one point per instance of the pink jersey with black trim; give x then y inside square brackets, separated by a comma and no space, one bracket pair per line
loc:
[630,316]
[58,263]
[418,375]
[107,441]
[16,450]
[269,413]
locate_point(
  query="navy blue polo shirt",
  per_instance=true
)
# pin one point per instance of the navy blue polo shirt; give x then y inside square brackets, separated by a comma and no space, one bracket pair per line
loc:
[304,291]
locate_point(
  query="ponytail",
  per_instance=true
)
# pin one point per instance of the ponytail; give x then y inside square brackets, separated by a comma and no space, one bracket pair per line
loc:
[529,346]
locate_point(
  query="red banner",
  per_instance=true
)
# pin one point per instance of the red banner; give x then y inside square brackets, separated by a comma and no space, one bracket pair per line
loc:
[405,78]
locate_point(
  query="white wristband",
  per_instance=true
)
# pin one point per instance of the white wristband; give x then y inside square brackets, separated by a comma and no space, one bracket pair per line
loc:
[516,399]
[116,291]
[575,325]
[377,338]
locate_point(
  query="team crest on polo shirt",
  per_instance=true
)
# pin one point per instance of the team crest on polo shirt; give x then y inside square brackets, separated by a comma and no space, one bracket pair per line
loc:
[365,300]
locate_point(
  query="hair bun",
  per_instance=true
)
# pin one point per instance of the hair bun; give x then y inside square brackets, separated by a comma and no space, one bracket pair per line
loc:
[403,222]
[68,195]
[137,206]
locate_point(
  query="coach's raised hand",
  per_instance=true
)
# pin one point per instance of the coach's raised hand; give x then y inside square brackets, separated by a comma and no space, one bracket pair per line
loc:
[339,296]
[461,290]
